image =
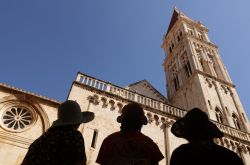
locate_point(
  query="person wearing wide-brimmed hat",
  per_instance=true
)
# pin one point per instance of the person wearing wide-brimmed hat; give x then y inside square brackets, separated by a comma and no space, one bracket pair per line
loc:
[62,144]
[129,145]
[201,149]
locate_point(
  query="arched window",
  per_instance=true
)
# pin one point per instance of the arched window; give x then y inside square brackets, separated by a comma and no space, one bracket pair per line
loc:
[186,65]
[236,121]
[219,115]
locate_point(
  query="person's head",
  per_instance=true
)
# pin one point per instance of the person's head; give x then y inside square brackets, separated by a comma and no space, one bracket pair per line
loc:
[70,115]
[196,126]
[132,117]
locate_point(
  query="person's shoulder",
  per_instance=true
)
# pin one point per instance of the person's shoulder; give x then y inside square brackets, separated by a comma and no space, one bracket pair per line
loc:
[76,134]
[145,137]
[226,151]
[67,133]
[113,135]
[230,156]
[183,147]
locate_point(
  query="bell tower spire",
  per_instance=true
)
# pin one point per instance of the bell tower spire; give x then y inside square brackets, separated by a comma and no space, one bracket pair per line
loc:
[196,75]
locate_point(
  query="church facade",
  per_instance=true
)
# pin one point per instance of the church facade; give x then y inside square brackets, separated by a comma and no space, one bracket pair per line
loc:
[195,76]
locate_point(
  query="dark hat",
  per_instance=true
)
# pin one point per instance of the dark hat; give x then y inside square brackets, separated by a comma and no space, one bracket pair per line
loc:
[195,125]
[69,113]
[132,112]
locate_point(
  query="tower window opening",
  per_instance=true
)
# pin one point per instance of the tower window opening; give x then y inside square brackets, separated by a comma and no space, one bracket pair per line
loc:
[170,49]
[176,82]
[178,38]
[188,69]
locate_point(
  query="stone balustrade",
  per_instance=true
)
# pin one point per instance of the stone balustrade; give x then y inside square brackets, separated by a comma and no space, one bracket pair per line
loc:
[152,103]
[233,132]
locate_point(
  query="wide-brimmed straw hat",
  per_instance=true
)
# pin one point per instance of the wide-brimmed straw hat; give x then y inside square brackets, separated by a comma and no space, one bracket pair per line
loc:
[69,113]
[195,125]
[132,112]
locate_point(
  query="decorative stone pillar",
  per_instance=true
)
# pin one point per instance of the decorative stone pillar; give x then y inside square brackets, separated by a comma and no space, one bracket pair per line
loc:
[221,102]
[242,120]
[241,153]
[166,129]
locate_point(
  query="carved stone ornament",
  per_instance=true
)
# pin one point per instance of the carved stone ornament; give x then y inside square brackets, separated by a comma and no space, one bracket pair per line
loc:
[17,119]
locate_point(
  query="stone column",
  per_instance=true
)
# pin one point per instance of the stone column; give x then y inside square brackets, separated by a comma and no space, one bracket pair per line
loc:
[238,108]
[221,102]
[166,129]
[206,37]
[241,152]
[194,59]
[221,67]
[180,71]
[185,27]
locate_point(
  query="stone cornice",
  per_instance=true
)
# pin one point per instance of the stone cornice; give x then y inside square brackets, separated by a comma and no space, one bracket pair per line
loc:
[215,78]
[18,90]
[12,139]
[201,73]
[202,42]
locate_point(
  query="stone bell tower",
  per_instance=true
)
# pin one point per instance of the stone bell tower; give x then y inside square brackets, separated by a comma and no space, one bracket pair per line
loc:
[196,75]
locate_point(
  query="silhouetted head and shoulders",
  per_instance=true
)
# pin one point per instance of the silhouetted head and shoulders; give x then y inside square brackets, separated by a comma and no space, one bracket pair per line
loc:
[132,119]
[201,149]
[62,143]
[129,144]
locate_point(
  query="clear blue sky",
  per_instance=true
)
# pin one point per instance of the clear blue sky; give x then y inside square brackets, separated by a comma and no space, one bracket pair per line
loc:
[44,43]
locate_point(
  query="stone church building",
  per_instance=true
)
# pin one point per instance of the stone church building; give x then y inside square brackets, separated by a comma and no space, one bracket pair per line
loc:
[195,76]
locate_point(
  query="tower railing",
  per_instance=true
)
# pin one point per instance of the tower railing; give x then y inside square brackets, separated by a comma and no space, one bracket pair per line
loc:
[149,102]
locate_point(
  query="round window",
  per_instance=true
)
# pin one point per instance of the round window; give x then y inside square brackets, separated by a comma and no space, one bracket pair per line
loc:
[17,118]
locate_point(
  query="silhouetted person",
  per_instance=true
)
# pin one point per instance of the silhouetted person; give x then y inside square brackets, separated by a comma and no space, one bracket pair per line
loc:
[129,146]
[201,149]
[62,144]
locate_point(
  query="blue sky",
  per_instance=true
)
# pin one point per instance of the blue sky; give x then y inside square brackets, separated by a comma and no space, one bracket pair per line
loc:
[44,43]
